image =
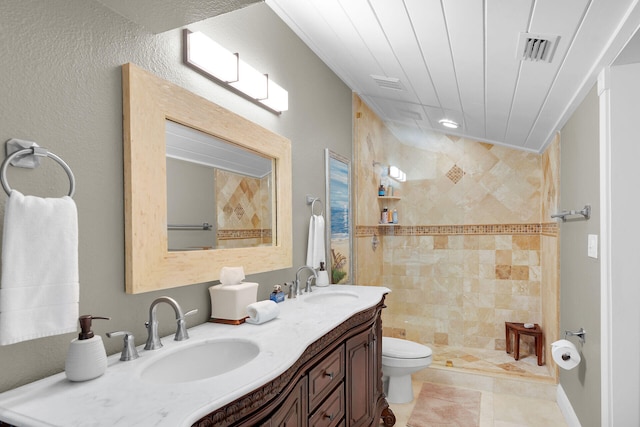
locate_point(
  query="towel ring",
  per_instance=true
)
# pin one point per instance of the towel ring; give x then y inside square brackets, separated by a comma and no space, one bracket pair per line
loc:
[36,151]
[313,204]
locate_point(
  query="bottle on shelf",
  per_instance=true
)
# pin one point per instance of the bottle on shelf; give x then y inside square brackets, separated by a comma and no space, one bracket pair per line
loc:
[381,191]
[384,216]
[395,216]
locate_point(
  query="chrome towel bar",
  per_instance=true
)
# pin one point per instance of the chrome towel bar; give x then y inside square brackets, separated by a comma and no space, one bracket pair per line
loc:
[203,226]
[585,212]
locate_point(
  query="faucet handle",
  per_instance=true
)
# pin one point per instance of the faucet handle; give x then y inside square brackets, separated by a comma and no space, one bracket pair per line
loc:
[181,330]
[129,351]
[308,287]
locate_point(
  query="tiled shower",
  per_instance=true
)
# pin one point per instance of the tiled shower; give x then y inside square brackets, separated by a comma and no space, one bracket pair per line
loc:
[474,245]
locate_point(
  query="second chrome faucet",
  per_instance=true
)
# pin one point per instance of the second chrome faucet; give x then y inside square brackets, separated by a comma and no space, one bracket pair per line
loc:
[295,290]
[153,340]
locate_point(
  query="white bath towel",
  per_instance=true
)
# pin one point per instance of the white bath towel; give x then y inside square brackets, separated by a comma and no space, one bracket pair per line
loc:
[315,246]
[262,311]
[39,289]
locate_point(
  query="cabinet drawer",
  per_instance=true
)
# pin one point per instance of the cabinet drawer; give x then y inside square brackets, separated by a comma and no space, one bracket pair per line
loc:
[331,412]
[325,375]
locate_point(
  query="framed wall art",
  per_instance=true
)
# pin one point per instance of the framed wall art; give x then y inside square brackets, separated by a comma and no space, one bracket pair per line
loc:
[339,234]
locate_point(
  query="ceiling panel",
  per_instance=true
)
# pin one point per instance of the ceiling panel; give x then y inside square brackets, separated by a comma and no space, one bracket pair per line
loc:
[537,78]
[427,19]
[365,22]
[466,33]
[505,20]
[579,70]
[399,33]
[459,58]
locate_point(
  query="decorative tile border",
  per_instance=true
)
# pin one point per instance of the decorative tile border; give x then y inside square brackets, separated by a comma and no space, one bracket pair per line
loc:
[258,233]
[547,229]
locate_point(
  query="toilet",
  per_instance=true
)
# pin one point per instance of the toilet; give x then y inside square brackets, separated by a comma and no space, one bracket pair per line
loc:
[401,358]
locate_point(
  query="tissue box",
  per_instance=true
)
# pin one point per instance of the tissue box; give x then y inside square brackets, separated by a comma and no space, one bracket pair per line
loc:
[229,302]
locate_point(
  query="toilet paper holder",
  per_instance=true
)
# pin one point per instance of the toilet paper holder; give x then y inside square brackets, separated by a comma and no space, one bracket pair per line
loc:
[580,333]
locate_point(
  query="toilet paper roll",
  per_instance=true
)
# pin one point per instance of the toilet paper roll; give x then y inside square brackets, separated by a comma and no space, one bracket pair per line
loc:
[565,354]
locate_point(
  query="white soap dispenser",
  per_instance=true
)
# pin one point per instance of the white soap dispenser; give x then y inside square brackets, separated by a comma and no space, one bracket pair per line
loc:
[323,276]
[86,358]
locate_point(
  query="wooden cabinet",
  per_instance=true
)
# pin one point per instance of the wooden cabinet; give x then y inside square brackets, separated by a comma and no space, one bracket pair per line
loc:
[360,379]
[336,382]
[293,412]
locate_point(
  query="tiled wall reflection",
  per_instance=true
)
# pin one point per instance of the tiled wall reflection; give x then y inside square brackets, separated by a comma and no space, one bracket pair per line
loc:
[243,207]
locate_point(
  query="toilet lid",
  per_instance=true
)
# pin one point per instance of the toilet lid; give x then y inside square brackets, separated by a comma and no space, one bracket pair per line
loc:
[403,349]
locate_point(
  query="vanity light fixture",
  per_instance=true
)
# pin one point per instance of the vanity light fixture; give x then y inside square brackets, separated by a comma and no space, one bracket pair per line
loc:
[449,123]
[227,69]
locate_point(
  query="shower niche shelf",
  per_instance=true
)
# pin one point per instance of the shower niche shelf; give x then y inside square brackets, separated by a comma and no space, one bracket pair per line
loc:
[392,203]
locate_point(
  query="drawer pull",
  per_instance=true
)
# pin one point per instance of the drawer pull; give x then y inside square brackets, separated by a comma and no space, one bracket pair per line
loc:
[331,417]
[329,374]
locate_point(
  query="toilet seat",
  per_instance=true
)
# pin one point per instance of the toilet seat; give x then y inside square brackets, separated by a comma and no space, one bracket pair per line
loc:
[403,349]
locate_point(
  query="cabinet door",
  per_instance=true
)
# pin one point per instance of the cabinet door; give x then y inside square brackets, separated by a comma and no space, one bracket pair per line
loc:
[293,412]
[360,381]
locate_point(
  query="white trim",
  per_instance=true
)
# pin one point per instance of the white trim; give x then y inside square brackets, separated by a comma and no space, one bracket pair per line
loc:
[565,407]
[606,333]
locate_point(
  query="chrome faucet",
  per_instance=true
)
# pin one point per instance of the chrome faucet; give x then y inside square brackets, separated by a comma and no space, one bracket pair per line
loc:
[153,340]
[313,276]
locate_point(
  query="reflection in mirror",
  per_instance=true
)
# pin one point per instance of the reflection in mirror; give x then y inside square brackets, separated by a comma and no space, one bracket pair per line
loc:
[219,195]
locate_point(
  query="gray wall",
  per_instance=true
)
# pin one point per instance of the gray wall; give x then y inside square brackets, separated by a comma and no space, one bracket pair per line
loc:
[61,87]
[579,274]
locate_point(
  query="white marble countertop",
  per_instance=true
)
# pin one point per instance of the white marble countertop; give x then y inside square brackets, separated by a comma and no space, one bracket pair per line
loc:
[121,398]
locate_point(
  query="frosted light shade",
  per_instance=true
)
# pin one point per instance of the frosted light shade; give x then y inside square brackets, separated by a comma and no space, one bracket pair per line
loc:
[212,58]
[229,70]
[278,98]
[251,82]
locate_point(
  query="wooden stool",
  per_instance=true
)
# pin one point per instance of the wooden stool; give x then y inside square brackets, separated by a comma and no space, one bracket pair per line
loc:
[519,329]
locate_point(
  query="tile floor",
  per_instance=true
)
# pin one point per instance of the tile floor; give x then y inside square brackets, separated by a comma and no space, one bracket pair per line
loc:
[514,393]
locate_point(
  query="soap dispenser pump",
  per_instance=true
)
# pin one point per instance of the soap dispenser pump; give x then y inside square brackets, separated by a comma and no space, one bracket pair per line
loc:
[87,357]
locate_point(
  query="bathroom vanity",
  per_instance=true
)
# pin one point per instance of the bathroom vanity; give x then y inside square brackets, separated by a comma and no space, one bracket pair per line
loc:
[318,364]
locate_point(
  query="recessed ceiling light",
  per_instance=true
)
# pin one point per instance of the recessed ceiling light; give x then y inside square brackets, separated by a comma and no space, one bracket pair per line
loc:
[449,123]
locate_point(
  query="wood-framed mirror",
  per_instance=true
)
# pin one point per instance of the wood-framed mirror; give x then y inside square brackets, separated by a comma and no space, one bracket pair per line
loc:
[148,102]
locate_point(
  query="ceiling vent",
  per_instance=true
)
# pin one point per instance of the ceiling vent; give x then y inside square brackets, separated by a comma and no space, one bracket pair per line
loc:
[536,47]
[412,115]
[388,82]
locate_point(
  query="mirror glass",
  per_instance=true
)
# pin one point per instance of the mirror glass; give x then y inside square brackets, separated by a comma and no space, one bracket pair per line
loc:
[219,195]
[262,170]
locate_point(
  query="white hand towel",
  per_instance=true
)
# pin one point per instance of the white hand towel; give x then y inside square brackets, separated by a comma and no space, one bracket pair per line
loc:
[39,290]
[262,311]
[231,275]
[315,246]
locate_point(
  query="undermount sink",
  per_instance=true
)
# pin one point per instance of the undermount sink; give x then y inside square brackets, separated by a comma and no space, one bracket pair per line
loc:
[339,297]
[200,361]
